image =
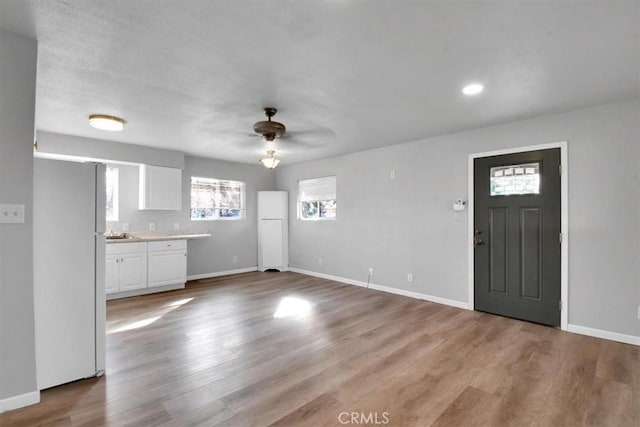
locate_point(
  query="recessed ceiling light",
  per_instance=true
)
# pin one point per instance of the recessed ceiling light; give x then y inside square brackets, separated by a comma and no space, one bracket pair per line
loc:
[473,89]
[103,122]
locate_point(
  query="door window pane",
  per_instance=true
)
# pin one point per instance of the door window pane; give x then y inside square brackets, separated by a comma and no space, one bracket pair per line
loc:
[515,179]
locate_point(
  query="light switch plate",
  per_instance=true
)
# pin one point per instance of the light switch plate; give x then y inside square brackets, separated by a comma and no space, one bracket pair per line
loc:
[11,214]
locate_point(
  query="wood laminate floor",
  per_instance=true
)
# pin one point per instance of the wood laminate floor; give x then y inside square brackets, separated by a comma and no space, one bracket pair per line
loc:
[285,349]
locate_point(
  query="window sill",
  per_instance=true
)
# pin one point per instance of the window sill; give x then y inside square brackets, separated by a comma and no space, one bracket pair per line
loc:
[216,219]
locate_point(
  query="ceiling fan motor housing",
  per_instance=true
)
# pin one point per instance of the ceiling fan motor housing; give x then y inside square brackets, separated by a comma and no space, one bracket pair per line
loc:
[269,129]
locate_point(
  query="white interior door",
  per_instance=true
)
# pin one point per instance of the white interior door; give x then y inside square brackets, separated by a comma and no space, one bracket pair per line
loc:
[272,243]
[64,271]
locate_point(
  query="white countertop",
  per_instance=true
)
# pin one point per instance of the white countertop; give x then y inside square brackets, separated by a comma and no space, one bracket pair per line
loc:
[157,237]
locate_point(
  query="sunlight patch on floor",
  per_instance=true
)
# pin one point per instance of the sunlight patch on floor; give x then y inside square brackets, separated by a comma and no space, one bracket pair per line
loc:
[292,307]
[141,323]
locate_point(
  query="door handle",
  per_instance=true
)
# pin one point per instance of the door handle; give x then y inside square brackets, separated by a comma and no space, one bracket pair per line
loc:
[477,241]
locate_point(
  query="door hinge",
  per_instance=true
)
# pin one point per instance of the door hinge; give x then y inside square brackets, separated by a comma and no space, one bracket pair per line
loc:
[560,237]
[560,305]
[560,169]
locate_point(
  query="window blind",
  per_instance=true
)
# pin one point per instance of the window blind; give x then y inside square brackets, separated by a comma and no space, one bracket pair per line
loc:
[317,189]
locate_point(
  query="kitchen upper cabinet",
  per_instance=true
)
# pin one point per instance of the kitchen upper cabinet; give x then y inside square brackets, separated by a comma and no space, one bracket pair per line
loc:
[273,205]
[167,262]
[160,188]
[126,267]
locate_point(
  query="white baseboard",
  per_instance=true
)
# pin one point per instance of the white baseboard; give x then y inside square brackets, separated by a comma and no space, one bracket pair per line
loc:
[222,273]
[19,401]
[410,294]
[607,335]
[144,291]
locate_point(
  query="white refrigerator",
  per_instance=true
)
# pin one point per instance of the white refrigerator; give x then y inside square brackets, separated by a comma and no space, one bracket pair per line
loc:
[69,270]
[273,230]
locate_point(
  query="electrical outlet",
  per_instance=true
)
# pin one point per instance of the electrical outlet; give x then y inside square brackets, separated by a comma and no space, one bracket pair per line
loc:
[410,278]
[152,226]
[319,261]
[11,214]
[392,175]
[125,226]
[176,226]
[235,259]
[370,271]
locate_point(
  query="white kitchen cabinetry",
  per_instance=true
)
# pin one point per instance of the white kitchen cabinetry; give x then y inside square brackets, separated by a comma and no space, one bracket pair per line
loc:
[167,263]
[273,248]
[126,267]
[160,188]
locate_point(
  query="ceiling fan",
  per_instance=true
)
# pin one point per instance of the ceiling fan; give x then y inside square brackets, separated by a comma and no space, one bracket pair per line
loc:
[269,129]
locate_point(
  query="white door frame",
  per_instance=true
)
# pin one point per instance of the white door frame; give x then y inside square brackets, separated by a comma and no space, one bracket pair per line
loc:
[564,220]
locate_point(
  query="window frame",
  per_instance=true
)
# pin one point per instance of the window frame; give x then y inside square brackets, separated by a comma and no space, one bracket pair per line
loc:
[114,173]
[318,201]
[217,181]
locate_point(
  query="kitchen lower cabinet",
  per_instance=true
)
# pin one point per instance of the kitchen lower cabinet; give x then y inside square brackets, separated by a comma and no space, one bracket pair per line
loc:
[126,267]
[137,268]
[167,263]
[112,271]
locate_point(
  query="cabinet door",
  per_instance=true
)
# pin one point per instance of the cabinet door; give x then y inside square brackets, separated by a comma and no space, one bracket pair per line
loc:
[112,274]
[167,268]
[160,188]
[133,271]
[272,204]
[271,240]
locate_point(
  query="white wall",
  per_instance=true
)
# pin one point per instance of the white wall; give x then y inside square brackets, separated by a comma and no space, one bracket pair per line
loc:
[407,224]
[17,108]
[229,238]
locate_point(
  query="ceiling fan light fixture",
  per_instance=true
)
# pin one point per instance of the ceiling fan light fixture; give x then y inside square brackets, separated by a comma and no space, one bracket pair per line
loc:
[271,161]
[104,122]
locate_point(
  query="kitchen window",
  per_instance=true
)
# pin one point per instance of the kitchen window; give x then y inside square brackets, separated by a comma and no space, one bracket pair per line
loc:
[112,193]
[317,199]
[217,199]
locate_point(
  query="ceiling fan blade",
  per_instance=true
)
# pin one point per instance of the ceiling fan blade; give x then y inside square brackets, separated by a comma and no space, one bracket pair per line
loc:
[321,132]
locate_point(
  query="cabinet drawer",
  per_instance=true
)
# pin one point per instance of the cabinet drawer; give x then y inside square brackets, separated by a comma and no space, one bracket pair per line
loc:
[167,245]
[126,248]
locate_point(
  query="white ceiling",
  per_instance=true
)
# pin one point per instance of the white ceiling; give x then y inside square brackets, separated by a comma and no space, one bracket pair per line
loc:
[346,75]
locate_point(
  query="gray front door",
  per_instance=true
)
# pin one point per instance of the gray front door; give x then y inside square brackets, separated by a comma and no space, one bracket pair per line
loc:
[517,235]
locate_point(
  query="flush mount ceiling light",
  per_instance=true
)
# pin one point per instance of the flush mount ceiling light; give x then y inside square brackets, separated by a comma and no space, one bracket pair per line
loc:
[473,89]
[271,161]
[104,122]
